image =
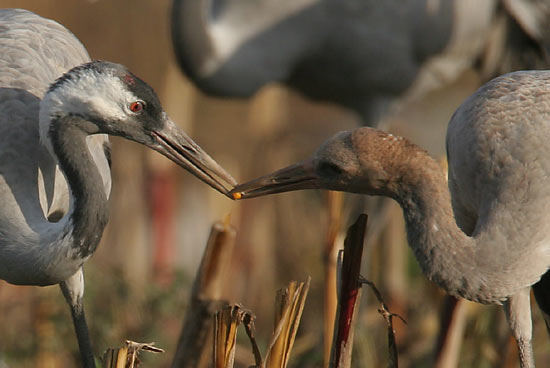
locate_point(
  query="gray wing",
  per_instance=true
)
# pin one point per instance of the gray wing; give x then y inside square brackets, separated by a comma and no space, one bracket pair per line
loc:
[498,174]
[33,52]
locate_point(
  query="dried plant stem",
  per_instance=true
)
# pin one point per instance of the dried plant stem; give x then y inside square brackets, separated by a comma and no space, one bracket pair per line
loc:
[393,361]
[225,336]
[349,294]
[195,342]
[248,322]
[289,305]
[127,356]
[335,200]
[452,323]
[226,322]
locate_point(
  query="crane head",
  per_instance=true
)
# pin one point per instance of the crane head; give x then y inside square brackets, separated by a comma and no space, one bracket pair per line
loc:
[363,161]
[105,98]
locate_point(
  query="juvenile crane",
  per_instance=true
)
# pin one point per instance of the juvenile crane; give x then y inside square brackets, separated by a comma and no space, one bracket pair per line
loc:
[54,153]
[484,236]
[361,55]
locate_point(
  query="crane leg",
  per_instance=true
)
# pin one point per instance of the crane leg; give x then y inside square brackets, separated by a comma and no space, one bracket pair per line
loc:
[73,291]
[518,313]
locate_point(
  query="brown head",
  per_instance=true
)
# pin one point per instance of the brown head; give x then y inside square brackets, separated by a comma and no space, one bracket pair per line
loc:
[365,161]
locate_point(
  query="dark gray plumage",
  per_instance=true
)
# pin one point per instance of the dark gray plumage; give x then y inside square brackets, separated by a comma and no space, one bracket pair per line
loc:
[499,165]
[54,155]
[359,54]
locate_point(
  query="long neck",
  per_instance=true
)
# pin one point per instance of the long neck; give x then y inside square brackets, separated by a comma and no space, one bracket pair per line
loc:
[214,47]
[89,205]
[445,253]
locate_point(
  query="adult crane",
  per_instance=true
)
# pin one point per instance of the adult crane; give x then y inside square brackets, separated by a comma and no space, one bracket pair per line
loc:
[498,156]
[56,109]
[359,54]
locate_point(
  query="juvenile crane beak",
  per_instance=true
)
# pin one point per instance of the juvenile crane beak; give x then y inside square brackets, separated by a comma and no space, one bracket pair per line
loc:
[173,143]
[294,177]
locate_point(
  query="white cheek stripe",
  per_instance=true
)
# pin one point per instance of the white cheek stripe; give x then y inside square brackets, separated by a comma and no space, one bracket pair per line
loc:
[93,94]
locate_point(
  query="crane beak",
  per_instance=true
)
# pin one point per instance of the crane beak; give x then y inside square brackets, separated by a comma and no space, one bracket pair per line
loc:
[295,177]
[173,143]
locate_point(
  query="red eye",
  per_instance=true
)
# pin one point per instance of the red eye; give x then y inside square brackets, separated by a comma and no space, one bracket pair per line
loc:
[137,106]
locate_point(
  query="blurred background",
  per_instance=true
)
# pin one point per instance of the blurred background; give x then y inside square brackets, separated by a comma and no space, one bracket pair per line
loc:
[138,282]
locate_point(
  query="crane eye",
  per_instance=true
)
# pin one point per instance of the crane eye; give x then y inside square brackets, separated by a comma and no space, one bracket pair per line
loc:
[329,169]
[137,106]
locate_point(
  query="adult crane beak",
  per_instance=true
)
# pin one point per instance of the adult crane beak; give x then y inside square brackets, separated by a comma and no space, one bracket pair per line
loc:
[173,143]
[294,177]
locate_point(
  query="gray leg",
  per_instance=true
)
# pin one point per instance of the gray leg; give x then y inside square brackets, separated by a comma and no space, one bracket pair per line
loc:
[518,313]
[73,291]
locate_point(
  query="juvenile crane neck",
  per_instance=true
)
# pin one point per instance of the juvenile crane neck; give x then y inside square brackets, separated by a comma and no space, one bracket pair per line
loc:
[445,253]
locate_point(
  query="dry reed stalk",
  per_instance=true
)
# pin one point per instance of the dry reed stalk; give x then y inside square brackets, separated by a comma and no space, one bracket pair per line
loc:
[248,322]
[349,294]
[393,361]
[393,274]
[289,305]
[127,356]
[195,342]
[226,322]
[225,336]
[335,200]
[452,323]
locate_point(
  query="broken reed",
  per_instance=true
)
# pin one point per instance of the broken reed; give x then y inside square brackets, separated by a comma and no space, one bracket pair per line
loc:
[127,356]
[194,348]
[335,201]
[289,305]
[197,337]
[350,284]
[349,294]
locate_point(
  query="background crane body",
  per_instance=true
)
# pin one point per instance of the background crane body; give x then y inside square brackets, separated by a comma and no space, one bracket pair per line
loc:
[355,53]
[351,53]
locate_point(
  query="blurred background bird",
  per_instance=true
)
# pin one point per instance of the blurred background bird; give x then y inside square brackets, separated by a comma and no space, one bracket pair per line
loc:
[153,264]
